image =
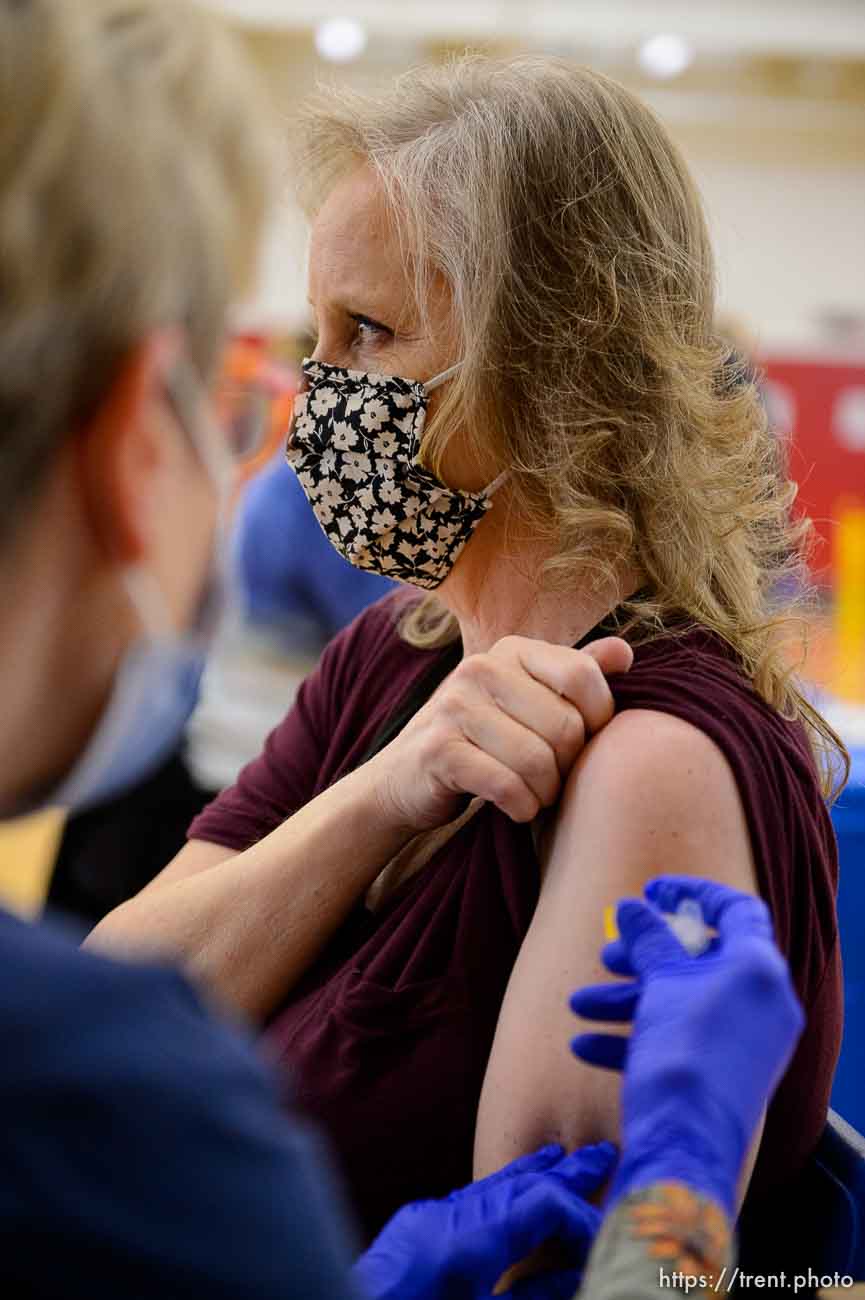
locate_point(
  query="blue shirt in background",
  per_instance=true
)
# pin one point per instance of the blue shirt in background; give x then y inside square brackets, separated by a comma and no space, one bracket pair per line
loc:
[292,578]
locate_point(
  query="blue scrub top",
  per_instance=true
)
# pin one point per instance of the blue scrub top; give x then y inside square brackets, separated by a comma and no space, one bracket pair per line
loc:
[143,1151]
[291,578]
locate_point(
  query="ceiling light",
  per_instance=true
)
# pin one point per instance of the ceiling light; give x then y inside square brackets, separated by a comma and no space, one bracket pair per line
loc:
[340,39]
[665,55]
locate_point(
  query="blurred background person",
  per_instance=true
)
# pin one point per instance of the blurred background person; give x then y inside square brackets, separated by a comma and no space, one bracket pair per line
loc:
[295,592]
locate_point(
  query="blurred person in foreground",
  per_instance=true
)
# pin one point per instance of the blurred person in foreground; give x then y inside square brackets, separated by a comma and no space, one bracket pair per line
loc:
[143,1149]
[519,406]
[292,593]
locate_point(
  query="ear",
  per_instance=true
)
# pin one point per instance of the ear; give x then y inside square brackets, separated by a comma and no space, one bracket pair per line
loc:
[122,449]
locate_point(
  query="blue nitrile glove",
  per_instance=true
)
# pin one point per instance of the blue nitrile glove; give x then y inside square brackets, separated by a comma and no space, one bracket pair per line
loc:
[712,1036]
[458,1248]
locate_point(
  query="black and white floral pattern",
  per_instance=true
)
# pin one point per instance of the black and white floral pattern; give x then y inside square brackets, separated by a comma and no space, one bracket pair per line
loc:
[353,444]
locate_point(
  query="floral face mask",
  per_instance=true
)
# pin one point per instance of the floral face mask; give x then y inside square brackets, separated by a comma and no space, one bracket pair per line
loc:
[354,445]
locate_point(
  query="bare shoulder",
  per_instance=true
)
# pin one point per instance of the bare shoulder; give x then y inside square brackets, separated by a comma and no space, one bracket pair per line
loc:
[644,747]
[649,793]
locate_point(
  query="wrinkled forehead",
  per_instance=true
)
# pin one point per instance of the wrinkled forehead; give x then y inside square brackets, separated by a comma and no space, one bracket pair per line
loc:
[354,251]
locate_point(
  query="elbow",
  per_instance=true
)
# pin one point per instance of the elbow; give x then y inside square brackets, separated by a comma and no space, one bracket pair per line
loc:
[128,934]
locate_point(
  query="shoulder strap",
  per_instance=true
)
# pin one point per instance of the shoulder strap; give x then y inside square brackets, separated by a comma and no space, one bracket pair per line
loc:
[444,663]
[610,623]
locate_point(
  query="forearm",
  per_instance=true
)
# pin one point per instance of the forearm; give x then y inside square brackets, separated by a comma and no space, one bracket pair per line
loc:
[249,926]
[662,1239]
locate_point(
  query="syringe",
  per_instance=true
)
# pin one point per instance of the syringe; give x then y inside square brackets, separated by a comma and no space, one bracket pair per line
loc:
[686,923]
[689,927]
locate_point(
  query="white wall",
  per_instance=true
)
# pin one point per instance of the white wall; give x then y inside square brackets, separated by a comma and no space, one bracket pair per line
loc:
[783,180]
[790,243]
[280,300]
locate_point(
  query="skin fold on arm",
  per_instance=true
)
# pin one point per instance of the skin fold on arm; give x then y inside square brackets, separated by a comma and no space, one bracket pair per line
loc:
[650,794]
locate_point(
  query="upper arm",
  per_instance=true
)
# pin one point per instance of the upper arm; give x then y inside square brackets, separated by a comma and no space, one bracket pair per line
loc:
[649,794]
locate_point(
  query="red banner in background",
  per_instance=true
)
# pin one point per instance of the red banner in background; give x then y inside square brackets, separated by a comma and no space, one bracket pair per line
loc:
[821,406]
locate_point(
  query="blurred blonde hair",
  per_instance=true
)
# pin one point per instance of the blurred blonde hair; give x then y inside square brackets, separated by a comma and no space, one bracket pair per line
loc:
[582,287]
[136,162]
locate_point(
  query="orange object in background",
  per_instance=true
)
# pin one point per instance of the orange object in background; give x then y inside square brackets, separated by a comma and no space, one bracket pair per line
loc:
[849,603]
[257,384]
[28,850]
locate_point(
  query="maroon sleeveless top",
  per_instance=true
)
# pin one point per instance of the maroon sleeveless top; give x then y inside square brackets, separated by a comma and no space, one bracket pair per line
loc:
[388,1034]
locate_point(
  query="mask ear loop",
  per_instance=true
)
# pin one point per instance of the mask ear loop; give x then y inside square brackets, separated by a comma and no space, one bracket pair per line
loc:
[496,483]
[440,379]
[434,383]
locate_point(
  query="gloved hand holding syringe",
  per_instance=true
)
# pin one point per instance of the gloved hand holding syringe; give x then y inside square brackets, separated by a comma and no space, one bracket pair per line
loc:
[686,922]
[711,1035]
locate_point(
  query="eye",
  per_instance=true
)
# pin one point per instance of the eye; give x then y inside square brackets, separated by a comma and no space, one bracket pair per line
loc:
[369,330]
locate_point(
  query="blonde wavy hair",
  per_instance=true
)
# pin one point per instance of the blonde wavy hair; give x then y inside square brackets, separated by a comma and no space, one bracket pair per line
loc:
[582,295]
[136,165]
